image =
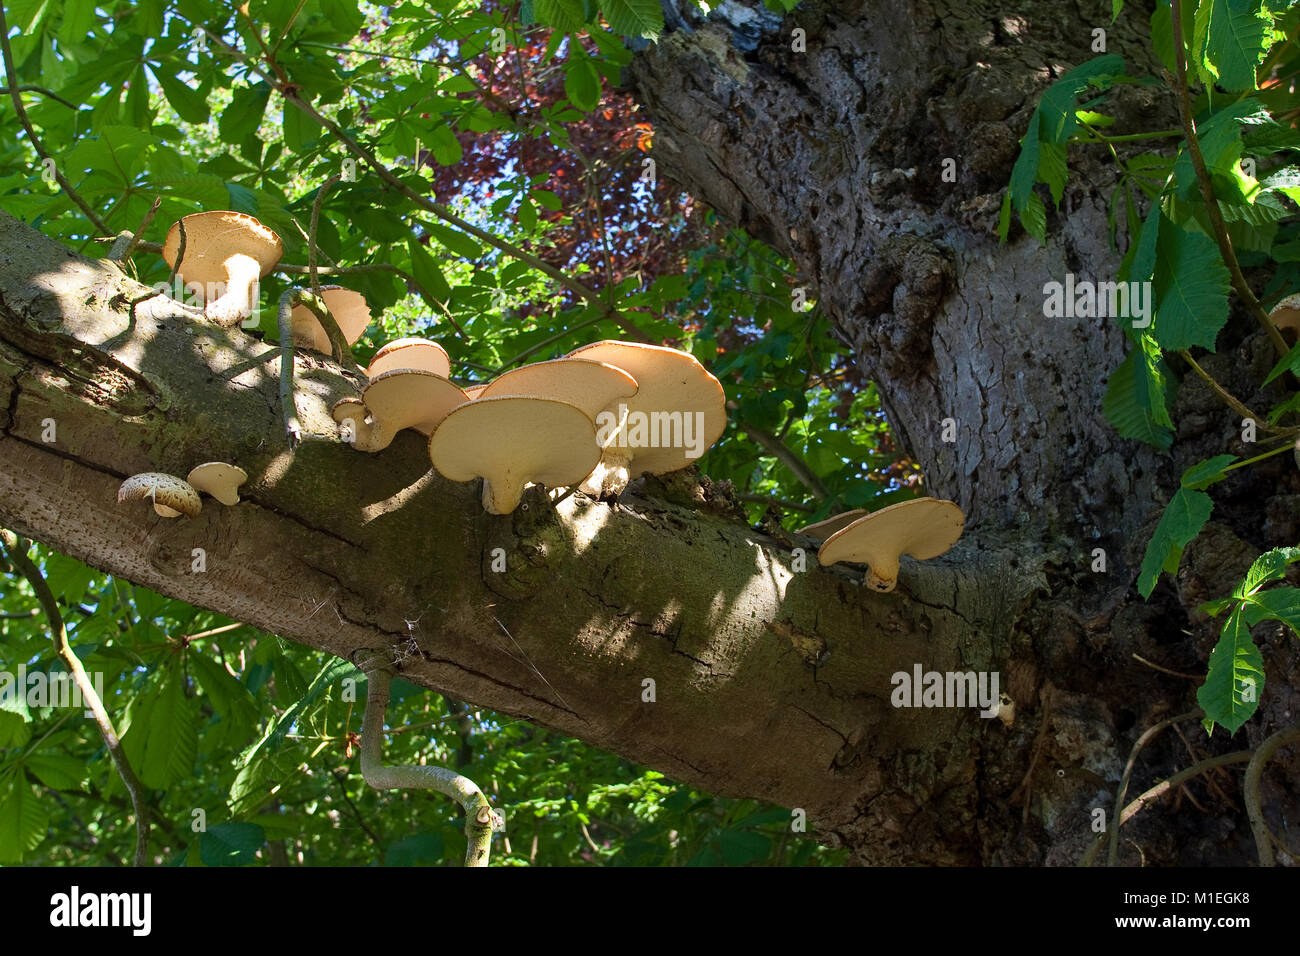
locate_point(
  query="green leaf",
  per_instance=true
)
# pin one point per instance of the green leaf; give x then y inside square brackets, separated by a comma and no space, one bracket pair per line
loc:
[1288,363]
[1229,41]
[163,737]
[24,817]
[444,145]
[1200,476]
[188,102]
[454,241]
[634,18]
[416,849]
[1269,566]
[425,269]
[1135,397]
[231,844]
[1182,521]
[581,81]
[564,15]
[1235,680]
[1277,604]
[1191,289]
[240,120]
[1057,107]
[57,770]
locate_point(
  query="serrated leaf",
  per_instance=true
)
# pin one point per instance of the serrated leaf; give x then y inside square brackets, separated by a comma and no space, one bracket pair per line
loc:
[1203,474]
[188,102]
[231,844]
[1288,363]
[634,18]
[240,120]
[1191,289]
[1182,521]
[23,818]
[454,241]
[1232,688]
[1229,41]
[57,771]
[564,15]
[1269,566]
[163,737]
[444,145]
[1276,604]
[581,81]
[1135,399]
[425,269]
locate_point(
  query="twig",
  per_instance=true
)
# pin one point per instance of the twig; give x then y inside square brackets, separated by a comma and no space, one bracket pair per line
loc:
[15,549]
[1150,734]
[1160,789]
[29,88]
[1263,753]
[780,451]
[14,95]
[1207,190]
[180,255]
[1166,670]
[1228,398]
[341,780]
[480,818]
[1040,739]
[126,242]
[315,222]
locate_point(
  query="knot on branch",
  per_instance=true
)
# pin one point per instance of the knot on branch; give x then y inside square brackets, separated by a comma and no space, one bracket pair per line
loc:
[522,553]
[903,289]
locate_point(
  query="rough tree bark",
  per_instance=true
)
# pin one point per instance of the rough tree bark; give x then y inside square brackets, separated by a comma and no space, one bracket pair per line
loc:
[770,681]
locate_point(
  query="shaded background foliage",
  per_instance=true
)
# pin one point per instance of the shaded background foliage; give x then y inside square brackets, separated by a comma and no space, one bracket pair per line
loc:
[250,735]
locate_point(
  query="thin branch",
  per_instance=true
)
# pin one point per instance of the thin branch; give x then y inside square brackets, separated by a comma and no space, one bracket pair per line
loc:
[15,549]
[782,453]
[1150,734]
[315,223]
[785,503]
[126,242]
[1166,670]
[1263,753]
[50,94]
[12,76]
[480,818]
[1228,398]
[1207,190]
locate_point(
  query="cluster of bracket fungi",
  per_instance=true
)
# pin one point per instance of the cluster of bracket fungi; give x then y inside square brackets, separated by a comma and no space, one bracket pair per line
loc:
[535,424]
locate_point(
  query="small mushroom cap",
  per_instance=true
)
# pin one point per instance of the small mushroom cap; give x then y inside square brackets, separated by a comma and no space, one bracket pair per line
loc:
[823,529]
[213,237]
[922,528]
[411,398]
[352,412]
[415,353]
[668,381]
[219,480]
[349,309]
[1286,314]
[510,441]
[170,495]
[587,384]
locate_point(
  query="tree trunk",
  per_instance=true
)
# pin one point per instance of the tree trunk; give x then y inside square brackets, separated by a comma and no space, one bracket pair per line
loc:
[771,677]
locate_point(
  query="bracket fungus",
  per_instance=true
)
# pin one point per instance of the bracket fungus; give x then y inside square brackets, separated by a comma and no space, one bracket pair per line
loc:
[350,311]
[402,398]
[512,440]
[411,353]
[218,479]
[588,384]
[822,530]
[224,250]
[921,528]
[171,496]
[678,411]
[1286,316]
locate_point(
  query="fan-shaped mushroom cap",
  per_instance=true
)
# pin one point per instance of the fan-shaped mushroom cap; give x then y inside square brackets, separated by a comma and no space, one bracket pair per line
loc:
[349,309]
[922,528]
[170,495]
[587,384]
[223,247]
[416,353]
[402,398]
[219,480]
[474,391]
[510,441]
[823,529]
[1286,314]
[669,383]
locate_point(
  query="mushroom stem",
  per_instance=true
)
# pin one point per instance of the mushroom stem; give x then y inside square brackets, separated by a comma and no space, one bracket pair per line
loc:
[235,304]
[882,572]
[610,475]
[503,497]
[480,818]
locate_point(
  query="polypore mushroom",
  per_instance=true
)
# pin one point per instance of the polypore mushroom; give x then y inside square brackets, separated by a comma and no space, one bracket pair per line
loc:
[474,391]
[513,440]
[413,353]
[1286,315]
[677,399]
[219,480]
[588,384]
[822,530]
[921,528]
[171,496]
[350,312]
[226,249]
[403,398]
